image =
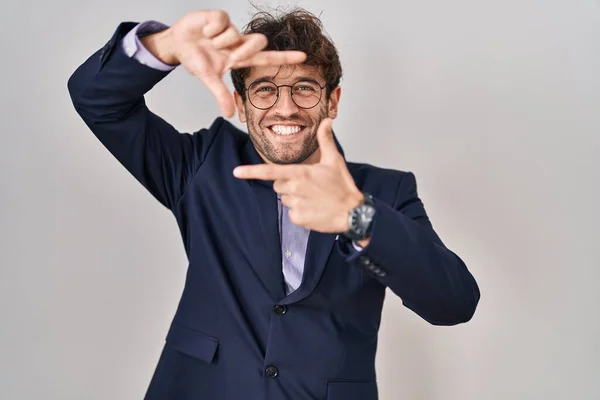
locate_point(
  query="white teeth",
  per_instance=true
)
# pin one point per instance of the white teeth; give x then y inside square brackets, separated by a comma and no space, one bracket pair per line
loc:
[285,129]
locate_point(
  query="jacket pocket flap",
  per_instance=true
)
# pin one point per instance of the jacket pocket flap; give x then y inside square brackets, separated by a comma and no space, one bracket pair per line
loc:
[192,343]
[352,390]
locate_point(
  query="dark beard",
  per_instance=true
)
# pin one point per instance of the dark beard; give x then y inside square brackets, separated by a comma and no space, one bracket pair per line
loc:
[265,147]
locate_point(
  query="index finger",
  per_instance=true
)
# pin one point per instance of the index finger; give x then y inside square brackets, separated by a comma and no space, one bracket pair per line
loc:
[272,58]
[220,92]
[196,64]
[251,54]
[266,172]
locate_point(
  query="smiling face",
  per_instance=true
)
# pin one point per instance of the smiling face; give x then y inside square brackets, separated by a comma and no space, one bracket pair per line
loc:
[286,133]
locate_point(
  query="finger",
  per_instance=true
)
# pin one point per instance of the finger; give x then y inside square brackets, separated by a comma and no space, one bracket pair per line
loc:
[229,37]
[197,63]
[285,200]
[251,44]
[271,58]
[221,93]
[217,21]
[290,201]
[266,172]
[280,186]
[294,187]
[327,147]
[299,217]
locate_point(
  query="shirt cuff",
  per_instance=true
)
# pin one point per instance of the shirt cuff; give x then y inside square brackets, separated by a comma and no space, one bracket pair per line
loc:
[133,46]
[356,246]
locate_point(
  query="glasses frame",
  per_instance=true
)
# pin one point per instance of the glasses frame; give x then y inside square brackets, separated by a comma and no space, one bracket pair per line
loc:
[279,92]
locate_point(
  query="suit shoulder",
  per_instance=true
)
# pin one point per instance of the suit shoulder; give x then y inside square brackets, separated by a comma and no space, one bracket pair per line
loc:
[369,171]
[227,144]
[224,133]
[383,183]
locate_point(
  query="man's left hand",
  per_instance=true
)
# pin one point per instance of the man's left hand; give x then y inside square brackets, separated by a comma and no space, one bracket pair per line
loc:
[319,196]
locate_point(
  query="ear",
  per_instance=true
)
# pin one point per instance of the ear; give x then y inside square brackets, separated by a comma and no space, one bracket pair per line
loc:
[239,103]
[334,101]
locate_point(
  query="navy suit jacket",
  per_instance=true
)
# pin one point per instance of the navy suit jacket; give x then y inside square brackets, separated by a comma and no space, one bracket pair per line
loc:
[236,335]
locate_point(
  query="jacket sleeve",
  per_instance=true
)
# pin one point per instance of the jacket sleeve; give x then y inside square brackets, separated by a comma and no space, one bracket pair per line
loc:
[107,91]
[406,255]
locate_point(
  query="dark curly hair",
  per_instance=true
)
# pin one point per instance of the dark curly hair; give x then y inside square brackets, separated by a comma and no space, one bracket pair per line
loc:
[297,29]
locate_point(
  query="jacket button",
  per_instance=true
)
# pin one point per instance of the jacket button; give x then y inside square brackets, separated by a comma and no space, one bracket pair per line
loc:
[271,371]
[279,309]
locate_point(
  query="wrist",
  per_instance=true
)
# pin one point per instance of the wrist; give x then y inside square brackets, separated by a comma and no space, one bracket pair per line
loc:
[353,201]
[364,243]
[360,220]
[160,44]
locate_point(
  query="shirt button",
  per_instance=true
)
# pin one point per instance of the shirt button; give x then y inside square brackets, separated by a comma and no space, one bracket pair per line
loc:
[288,254]
[279,309]
[271,371]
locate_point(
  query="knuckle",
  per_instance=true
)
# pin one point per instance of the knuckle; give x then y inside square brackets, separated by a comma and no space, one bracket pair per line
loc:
[293,187]
[304,173]
[278,186]
[232,32]
[295,203]
[221,17]
[295,216]
[261,40]
[270,173]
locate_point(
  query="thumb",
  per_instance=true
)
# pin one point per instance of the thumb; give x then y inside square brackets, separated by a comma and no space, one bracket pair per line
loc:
[221,94]
[329,151]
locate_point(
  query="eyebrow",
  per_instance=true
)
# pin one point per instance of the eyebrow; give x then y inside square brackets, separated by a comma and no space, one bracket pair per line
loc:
[298,79]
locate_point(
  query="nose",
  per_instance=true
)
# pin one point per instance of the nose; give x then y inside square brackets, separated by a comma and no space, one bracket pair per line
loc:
[285,104]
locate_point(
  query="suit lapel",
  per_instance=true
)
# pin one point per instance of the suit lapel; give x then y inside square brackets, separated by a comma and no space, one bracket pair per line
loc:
[317,252]
[264,201]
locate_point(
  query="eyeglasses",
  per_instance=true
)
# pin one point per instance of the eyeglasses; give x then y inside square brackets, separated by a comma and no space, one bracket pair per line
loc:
[264,94]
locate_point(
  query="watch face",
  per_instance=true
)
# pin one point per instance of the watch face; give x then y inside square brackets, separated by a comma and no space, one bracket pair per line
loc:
[367,213]
[360,220]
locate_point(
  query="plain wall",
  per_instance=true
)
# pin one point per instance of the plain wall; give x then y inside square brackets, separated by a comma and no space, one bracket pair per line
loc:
[494,105]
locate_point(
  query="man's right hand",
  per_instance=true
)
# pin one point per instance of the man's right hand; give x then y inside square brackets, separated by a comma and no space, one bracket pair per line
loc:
[206,44]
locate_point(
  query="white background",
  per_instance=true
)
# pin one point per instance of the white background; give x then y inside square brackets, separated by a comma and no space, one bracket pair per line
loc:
[494,105]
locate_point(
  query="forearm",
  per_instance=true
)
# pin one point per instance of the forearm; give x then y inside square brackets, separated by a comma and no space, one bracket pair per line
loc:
[107,91]
[429,278]
[405,254]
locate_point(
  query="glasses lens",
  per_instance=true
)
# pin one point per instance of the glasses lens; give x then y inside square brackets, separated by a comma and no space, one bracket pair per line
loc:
[306,94]
[262,94]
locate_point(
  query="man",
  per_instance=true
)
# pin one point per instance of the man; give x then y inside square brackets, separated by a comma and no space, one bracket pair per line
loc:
[290,247]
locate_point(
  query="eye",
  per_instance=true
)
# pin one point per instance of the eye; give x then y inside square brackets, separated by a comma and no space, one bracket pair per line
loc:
[263,88]
[304,87]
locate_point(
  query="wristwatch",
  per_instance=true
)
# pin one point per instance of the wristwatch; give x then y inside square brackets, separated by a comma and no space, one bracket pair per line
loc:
[360,219]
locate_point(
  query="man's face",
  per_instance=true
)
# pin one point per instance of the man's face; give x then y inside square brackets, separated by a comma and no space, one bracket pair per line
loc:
[286,132]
